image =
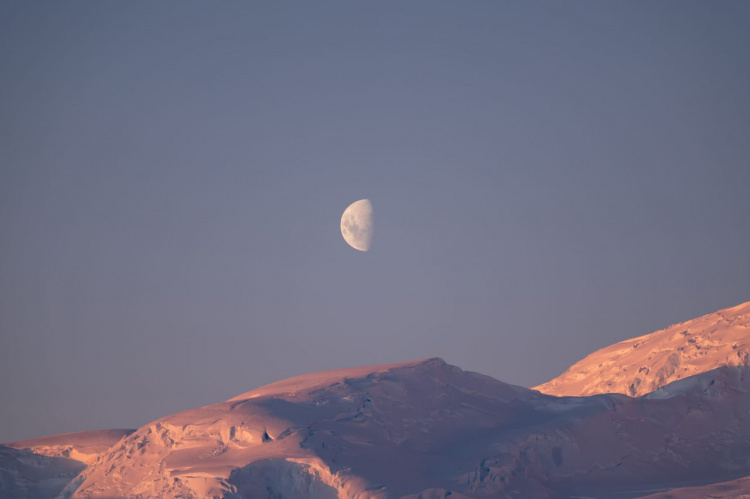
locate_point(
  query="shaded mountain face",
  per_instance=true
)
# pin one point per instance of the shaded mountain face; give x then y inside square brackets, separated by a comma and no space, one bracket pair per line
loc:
[42,467]
[25,474]
[430,428]
[641,365]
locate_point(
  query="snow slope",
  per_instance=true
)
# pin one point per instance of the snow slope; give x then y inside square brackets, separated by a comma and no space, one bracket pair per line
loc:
[84,446]
[735,489]
[42,467]
[643,364]
[429,428]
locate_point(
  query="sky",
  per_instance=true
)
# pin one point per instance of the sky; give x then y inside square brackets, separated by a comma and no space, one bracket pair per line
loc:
[547,178]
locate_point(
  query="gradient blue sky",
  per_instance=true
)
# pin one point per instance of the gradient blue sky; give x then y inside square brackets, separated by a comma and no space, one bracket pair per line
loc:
[547,177]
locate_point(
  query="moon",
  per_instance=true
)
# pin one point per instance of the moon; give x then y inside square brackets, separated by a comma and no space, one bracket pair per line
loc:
[356,225]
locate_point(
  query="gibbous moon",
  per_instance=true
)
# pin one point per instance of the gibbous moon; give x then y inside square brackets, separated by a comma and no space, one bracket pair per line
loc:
[356,224]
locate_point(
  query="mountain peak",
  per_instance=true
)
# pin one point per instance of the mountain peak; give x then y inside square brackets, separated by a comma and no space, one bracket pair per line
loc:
[294,386]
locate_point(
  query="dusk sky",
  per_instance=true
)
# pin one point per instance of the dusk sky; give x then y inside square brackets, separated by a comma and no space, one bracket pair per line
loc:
[547,178]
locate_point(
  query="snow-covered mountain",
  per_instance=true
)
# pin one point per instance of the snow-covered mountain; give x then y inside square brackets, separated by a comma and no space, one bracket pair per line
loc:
[643,364]
[426,429]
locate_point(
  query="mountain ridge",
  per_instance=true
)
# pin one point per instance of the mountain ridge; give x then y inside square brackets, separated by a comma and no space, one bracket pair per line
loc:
[431,426]
[425,428]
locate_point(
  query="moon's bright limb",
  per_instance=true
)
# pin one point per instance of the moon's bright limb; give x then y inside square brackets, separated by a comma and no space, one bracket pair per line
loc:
[356,224]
